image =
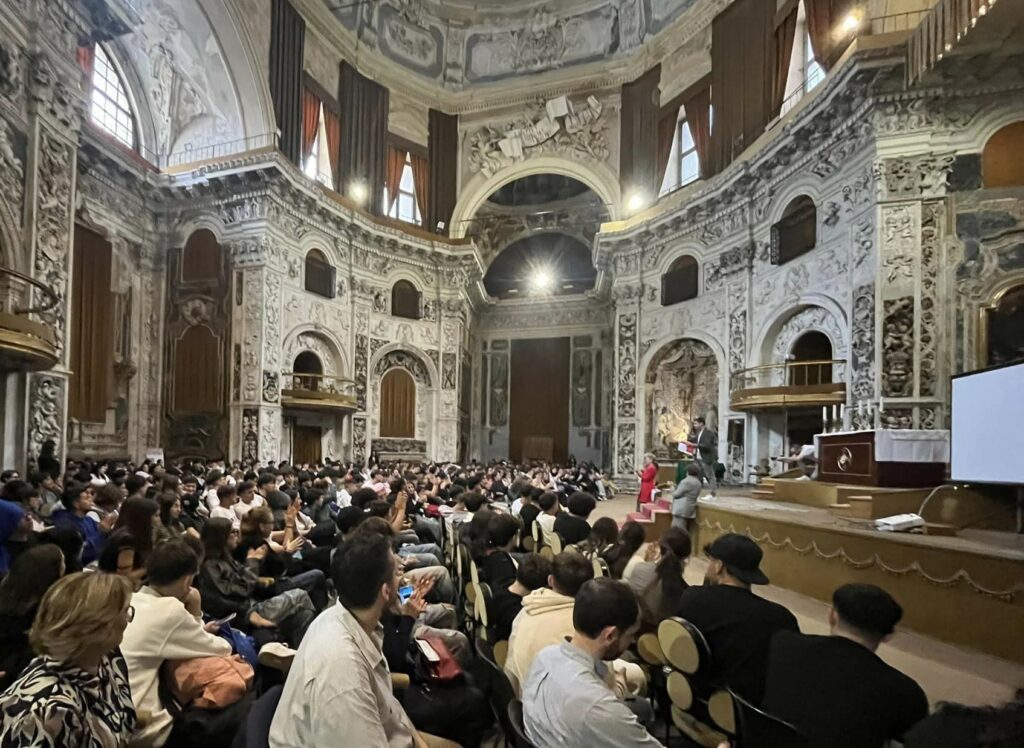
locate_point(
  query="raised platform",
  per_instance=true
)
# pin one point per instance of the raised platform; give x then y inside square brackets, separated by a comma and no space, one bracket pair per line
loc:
[967,590]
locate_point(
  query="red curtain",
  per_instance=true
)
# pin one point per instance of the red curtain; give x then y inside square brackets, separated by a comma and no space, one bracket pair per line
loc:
[310,121]
[698,117]
[393,174]
[785,33]
[666,134]
[332,126]
[86,55]
[421,183]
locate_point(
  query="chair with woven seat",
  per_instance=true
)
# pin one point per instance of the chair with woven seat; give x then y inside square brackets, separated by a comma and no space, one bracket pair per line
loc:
[749,726]
[683,645]
[686,653]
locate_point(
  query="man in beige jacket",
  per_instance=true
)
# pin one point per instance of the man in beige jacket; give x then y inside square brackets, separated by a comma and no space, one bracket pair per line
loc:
[546,617]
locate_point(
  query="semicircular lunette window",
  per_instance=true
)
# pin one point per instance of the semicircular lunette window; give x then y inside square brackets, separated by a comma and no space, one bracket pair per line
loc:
[541,265]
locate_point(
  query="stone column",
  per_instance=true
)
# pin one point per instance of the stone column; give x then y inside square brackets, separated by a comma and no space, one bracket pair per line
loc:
[626,441]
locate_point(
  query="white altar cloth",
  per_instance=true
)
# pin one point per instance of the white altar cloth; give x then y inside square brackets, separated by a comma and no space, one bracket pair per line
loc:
[904,445]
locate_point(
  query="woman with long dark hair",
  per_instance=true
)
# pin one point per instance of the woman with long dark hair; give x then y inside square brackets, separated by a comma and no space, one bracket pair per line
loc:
[31,575]
[658,579]
[631,537]
[171,526]
[230,587]
[139,517]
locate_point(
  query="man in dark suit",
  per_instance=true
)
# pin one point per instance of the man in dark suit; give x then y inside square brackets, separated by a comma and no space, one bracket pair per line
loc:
[835,689]
[706,454]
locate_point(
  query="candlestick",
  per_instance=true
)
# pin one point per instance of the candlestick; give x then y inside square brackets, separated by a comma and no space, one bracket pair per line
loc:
[824,416]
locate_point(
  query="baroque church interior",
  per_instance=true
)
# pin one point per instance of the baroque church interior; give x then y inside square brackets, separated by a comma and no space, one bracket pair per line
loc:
[461,231]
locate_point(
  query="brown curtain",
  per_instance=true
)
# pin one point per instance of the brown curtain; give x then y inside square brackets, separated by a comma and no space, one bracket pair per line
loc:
[332,126]
[201,257]
[364,140]
[398,405]
[539,387]
[822,19]
[782,52]
[393,175]
[638,152]
[698,116]
[197,371]
[310,122]
[92,327]
[287,44]
[442,174]
[666,134]
[86,56]
[741,77]
[421,183]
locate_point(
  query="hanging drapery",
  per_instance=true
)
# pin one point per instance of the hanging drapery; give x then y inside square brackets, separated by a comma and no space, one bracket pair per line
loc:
[287,42]
[823,19]
[442,171]
[421,182]
[86,56]
[638,151]
[782,52]
[667,126]
[393,175]
[697,109]
[92,327]
[310,122]
[364,140]
[332,128]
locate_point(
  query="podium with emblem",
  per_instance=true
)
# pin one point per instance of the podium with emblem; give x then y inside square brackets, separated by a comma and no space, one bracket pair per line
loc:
[890,458]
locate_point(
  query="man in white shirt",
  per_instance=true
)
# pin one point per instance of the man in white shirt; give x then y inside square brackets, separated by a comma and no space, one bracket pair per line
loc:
[549,509]
[214,480]
[338,690]
[227,497]
[167,625]
[247,499]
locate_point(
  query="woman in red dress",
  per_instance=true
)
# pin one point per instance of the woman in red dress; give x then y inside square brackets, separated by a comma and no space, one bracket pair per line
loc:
[647,479]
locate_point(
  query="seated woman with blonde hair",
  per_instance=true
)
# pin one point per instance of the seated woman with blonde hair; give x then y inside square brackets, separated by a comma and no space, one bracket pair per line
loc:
[75,693]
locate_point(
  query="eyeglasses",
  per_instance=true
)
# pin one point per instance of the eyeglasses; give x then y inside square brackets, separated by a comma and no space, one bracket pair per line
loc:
[130,613]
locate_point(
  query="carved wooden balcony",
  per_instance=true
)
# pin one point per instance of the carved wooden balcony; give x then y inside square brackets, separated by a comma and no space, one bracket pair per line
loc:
[25,344]
[792,384]
[317,392]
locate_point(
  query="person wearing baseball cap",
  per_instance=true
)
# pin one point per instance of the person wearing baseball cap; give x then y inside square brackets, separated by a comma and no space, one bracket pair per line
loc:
[737,624]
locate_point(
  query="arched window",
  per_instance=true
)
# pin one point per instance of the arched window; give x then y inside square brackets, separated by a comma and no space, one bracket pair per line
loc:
[811,346]
[1002,161]
[681,282]
[109,108]
[1005,329]
[319,274]
[796,233]
[405,300]
[398,405]
[201,258]
[309,368]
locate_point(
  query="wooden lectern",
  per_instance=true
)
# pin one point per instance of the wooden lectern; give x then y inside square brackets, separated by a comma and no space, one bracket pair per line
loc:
[889,458]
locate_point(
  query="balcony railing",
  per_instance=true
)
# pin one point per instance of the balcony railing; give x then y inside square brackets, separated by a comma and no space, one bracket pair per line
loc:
[789,384]
[25,344]
[316,391]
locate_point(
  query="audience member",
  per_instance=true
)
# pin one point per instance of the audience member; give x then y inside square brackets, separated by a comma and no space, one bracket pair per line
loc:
[684,498]
[550,508]
[140,517]
[960,726]
[118,557]
[498,567]
[168,625]
[78,502]
[836,689]
[171,526]
[339,683]
[11,518]
[572,526]
[566,698]
[658,580]
[76,692]
[546,617]
[31,575]
[631,538]
[737,624]
[603,534]
[506,602]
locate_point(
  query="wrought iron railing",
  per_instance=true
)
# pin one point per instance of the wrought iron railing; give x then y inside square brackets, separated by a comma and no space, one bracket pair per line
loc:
[790,374]
[200,153]
[17,287]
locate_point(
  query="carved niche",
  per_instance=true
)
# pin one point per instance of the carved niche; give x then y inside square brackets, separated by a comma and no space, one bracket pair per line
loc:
[898,347]
[361,372]
[932,222]
[900,229]
[359,440]
[448,371]
[627,363]
[400,359]
[53,224]
[46,414]
[625,448]
[582,377]
[737,342]
[863,342]
[250,434]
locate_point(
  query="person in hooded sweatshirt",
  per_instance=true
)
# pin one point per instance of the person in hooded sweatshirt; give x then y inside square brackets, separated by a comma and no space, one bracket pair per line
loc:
[546,617]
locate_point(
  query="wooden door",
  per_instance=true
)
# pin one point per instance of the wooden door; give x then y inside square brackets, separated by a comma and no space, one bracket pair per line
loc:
[306,441]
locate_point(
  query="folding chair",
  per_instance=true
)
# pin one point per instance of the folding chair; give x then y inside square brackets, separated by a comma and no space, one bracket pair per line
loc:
[750,726]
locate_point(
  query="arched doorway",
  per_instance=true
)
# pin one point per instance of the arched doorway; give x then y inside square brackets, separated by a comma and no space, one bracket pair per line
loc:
[1004,322]
[812,349]
[681,383]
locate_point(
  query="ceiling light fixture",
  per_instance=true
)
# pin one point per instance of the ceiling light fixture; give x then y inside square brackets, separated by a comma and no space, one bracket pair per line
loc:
[637,201]
[851,23]
[542,281]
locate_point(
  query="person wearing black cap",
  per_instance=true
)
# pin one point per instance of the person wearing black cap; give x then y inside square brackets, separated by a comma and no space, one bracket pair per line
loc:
[835,689]
[737,624]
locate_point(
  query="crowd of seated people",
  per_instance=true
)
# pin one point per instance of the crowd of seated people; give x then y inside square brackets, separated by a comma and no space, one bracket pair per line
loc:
[151,605]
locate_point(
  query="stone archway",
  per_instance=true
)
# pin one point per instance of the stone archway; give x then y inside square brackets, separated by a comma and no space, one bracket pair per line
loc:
[809,319]
[427,389]
[681,382]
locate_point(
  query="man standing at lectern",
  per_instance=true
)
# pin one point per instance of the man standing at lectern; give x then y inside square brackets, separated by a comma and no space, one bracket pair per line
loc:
[706,454]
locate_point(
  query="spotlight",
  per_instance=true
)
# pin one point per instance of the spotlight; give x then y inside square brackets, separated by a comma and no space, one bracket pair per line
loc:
[851,23]
[542,281]
[637,201]
[357,191]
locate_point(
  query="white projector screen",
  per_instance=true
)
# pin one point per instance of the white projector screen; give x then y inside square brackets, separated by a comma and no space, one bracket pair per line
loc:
[987,418]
